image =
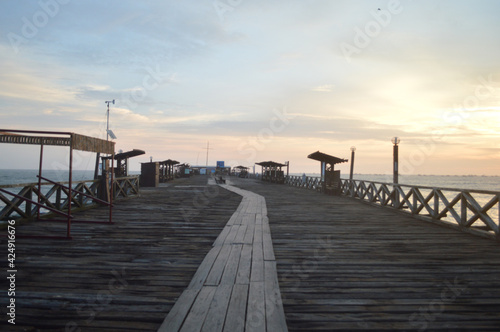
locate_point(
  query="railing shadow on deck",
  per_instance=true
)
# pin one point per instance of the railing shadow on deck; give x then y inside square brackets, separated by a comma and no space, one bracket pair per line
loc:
[55,196]
[474,211]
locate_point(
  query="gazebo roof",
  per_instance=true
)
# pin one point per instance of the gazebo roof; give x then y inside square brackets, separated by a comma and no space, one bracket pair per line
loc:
[270,164]
[169,162]
[320,156]
[129,154]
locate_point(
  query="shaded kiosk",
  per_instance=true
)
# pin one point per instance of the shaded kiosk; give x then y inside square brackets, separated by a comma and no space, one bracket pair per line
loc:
[330,178]
[272,172]
[122,161]
[241,171]
[167,170]
[150,174]
[122,158]
[62,139]
[183,170]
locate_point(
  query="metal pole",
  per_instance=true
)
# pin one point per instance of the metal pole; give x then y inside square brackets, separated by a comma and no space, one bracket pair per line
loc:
[70,185]
[395,177]
[112,188]
[40,181]
[208,144]
[107,124]
[352,164]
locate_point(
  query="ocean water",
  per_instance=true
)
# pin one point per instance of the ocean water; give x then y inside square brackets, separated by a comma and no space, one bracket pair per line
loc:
[491,183]
[470,182]
[21,176]
[485,183]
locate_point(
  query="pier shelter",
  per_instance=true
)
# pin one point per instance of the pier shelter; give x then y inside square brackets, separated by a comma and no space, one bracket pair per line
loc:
[241,171]
[167,170]
[122,158]
[330,178]
[62,207]
[272,171]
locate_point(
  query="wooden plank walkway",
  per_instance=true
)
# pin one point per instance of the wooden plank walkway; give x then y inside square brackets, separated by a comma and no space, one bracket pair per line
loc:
[341,265]
[235,287]
[121,277]
[347,266]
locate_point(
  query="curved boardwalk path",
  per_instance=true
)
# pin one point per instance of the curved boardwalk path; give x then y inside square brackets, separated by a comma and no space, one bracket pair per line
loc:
[236,286]
[347,266]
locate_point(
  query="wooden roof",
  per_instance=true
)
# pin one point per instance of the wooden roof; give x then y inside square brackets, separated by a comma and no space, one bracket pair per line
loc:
[320,156]
[270,164]
[169,162]
[74,141]
[129,154]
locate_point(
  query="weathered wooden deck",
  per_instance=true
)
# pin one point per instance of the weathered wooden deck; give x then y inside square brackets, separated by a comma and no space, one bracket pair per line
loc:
[344,266]
[236,286]
[121,277]
[341,265]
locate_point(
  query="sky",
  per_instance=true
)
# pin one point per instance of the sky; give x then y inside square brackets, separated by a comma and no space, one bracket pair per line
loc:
[258,80]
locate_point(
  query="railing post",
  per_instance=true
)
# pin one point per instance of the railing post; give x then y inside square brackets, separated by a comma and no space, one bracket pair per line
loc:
[436,204]
[463,205]
[28,207]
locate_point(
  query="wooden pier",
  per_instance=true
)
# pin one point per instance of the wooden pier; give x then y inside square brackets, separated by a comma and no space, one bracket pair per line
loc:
[341,265]
[344,265]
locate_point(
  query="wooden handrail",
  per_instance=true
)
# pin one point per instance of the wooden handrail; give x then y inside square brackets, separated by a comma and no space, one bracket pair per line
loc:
[76,191]
[463,208]
[36,203]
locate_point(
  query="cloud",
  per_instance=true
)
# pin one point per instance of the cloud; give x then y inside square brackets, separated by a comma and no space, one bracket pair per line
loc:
[324,88]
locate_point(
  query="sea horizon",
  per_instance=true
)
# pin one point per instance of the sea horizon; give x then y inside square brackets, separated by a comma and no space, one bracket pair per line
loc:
[465,182]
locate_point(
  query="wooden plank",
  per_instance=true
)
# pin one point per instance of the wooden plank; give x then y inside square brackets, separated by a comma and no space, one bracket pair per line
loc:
[217,269]
[257,233]
[216,316]
[267,244]
[256,310]
[233,218]
[231,269]
[178,313]
[248,239]
[275,315]
[236,313]
[248,218]
[243,274]
[232,234]
[204,269]
[222,236]
[240,235]
[257,273]
[199,310]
